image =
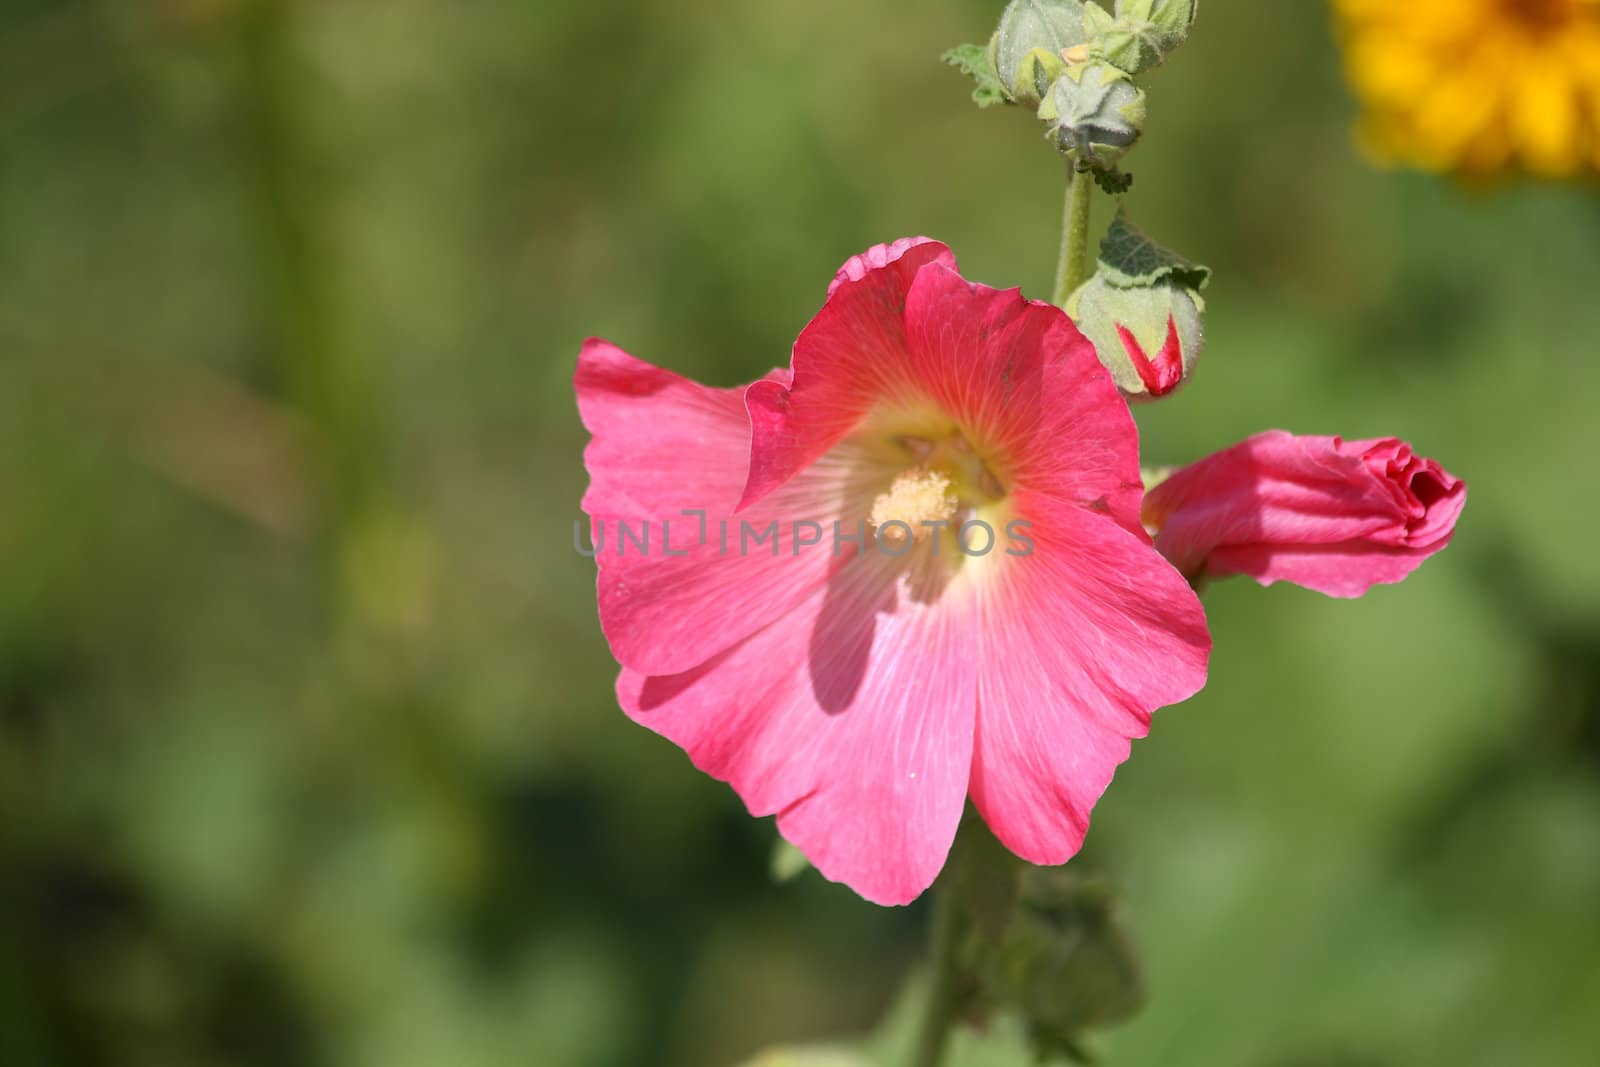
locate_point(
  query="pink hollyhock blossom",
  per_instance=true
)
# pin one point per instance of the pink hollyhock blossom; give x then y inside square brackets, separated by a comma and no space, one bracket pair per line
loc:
[1332,515]
[861,690]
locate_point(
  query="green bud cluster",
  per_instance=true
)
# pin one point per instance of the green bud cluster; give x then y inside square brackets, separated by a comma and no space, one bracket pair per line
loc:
[1075,63]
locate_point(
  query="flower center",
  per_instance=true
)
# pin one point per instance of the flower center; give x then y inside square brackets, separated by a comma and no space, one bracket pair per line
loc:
[916,497]
[949,481]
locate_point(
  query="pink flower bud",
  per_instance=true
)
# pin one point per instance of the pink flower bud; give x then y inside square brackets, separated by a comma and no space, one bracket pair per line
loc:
[1331,515]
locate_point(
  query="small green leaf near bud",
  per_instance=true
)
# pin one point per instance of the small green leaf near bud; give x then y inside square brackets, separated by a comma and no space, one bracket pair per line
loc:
[1095,115]
[977,62]
[1027,48]
[1130,258]
[1113,182]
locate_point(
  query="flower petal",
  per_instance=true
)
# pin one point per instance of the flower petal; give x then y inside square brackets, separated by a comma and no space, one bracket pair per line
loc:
[1024,381]
[851,719]
[1345,570]
[1017,376]
[844,361]
[1431,496]
[1081,641]
[660,441]
[879,256]
[675,589]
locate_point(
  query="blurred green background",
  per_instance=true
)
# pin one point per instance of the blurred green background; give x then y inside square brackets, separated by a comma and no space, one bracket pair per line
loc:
[308,750]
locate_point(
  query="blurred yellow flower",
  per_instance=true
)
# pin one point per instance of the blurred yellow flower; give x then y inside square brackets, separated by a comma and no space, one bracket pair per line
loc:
[1477,85]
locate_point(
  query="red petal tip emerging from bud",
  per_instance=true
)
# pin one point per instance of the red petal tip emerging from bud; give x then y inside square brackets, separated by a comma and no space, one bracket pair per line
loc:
[1165,373]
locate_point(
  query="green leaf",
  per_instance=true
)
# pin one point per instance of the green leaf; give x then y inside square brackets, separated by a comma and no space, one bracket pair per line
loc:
[1129,260]
[974,61]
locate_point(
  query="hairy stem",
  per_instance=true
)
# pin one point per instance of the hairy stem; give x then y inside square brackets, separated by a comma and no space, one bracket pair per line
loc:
[1074,267]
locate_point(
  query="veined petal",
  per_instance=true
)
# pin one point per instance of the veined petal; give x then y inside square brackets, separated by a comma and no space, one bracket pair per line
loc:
[660,442]
[675,589]
[851,719]
[1015,376]
[879,256]
[846,359]
[1024,382]
[1082,640]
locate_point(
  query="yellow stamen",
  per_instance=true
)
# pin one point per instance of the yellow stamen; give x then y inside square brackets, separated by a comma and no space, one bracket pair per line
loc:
[915,497]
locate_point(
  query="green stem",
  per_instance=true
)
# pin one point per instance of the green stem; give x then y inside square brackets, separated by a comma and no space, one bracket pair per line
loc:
[944,996]
[1074,267]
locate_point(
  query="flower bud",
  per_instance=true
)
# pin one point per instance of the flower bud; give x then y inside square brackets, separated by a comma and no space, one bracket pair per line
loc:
[1148,338]
[1142,311]
[1169,20]
[1066,963]
[1095,115]
[1027,48]
[1141,34]
[1328,514]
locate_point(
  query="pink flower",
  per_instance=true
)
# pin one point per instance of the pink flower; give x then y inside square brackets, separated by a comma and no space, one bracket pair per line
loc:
[862,690]
[1332,515]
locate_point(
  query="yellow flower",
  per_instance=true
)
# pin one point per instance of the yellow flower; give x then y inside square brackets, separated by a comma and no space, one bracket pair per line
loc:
[1477,85]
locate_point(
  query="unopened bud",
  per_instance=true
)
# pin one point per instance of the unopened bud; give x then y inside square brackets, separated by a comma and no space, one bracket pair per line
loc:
[1027,48]
[1148,338]
[1142,311]
[1095,115]
[1142,33]
[1066,963]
